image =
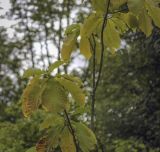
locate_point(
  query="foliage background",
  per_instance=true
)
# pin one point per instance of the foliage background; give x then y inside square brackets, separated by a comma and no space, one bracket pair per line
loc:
[127,109]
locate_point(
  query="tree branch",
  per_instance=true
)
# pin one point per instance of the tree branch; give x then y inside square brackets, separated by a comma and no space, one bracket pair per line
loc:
[93,47]
[102,45]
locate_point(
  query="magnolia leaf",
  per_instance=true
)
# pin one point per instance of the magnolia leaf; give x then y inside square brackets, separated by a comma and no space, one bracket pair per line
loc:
[51,120]
[74,79]
[129,19]
[54,135]
[86,138]
[67,143]
[32,149]
[145,23]
[32,72]
[74,89]
[117,3]
[89,25]
[54,97]
[68,46]
[136,6]
[111,36]
[72,29]
[55,65]
[99,5]
[31,98]
[119,24]
[85,47]
[154,12]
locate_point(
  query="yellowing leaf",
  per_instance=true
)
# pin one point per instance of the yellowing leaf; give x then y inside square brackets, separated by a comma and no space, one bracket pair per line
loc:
[68,46]
[54,97]
[154,12]
[74,89]
[86,138]
[111,36]
[129,19]
[136,6]
[31,98]
[55,65]
[85,47]
[99,5]
[115,4]
[89,25]
[67,143]
[51,120]
[32,72]
[145,23]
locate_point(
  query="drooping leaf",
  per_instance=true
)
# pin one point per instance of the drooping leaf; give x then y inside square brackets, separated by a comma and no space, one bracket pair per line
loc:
[54,135]
[89,25]
[154,12]
[86,138]
[85,47]
[74,89]
[111,36]
[31,98]
[67,143]
[129,19]
[145,23]
[54,97]
[32,72]
[74,28]
[68,46]
[117,3]
[99,5]
[75,79]
[51,120]
[55,65]
[136,6]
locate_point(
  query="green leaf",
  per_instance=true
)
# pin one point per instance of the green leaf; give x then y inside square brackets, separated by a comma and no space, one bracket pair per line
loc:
[32,149]
[72,29]
[119,24]
[51,120]
[136,6]
[54,97]
[117,3]
[74,89]
[55,65]
[129,19]
[85,136]
[89,25]
[85,47]
[74,79]
[32,72]
[99,5]
[154,12]
[68,46]
[31,98]
[67,143]
[145,23]
[111,36]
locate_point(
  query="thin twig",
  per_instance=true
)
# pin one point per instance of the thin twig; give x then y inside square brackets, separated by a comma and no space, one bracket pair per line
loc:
[71,131]
[93,47]
[102,45]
